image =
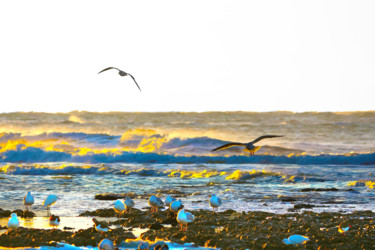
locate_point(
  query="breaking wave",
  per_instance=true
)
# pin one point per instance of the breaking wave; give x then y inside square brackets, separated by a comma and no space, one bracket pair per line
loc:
[32,155]
[149,146]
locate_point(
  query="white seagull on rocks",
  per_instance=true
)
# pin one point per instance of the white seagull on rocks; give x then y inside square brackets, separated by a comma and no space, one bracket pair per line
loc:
[296,239]
[129,203]
[168,200]
[28,200]
[343,230]
[49,201]
[176,206]
[106,244]
[183,218]
[248,146]
[122,73]
[215,202]
[155,202]
[13,222]
[119,207]
[100,226]
[54,221]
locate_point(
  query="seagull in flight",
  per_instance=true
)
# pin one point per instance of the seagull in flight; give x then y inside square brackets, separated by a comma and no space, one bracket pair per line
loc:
[248,146]
[122,73]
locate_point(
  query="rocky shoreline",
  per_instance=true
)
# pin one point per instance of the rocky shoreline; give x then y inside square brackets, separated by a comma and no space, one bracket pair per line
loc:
[226,230]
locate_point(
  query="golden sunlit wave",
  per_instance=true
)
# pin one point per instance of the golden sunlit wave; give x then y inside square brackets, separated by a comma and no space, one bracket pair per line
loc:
[361,183]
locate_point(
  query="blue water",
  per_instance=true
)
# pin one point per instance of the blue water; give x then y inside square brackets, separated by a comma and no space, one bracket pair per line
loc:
[264,189]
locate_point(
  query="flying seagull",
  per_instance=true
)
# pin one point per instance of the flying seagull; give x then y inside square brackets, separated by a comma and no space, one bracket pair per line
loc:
[122,73]
[248,146]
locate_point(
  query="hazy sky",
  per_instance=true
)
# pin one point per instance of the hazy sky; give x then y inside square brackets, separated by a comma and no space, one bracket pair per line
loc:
[187,55]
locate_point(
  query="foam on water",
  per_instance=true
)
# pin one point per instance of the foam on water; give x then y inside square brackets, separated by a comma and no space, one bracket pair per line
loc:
[243,187]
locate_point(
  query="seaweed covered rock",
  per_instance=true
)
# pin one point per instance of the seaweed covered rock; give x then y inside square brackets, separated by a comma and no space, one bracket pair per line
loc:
[19,212]
[226,230]
[23,237]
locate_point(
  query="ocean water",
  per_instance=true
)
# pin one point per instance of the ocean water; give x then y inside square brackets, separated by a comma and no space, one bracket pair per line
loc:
[80,154]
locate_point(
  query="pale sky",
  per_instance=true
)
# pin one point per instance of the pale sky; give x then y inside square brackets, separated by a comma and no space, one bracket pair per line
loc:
[187,55]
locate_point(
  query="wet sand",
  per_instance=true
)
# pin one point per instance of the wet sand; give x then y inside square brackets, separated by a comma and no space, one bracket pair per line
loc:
[226,230]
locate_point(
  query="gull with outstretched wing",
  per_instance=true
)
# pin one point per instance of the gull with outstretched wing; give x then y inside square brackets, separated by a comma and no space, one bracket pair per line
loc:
[248,146]
[122,73]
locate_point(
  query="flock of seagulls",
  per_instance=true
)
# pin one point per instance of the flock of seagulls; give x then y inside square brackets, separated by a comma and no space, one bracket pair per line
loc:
[122,206]
[28,201]
[175,206]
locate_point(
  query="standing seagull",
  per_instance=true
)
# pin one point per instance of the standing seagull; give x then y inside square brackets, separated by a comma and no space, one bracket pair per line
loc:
[183,218]
[119,207]
[49,201]
[28,200]
[13,222]
[169,200]
[248,146]
[54,221]
[176,206]
[122,73]
[155,202]
[129,203]
[215,202]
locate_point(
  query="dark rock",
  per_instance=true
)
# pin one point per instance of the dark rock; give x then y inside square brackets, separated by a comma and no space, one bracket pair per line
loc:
[224,230]
[156,226]
[287,199]
[299,206]
[5,213]
[319,190]
[114,196]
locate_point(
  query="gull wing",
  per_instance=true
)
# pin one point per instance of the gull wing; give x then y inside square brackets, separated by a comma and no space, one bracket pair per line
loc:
[108,69]
[161,203]
[219,201]
[135,81]
[50,200]
[264,137]
[228,145]
[189,216]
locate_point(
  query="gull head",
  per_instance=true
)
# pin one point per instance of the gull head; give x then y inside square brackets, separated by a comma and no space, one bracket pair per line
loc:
[286,241]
